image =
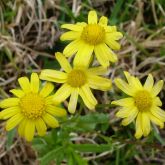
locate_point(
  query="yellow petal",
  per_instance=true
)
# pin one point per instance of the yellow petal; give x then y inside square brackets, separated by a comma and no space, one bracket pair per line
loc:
[10,102]
[56,111]
[145,123]
[110,29]
[139,131]
[149,82]
[157,87]
[72,48]
[131,117]
[71,35]
[124,87]
[157,101]
[73,101]
[21,127]
[106,52]
[17,92]
[62,93]
[83,55]
[133,82]
[126,112]
[53,75]
[126,102]
[14,121]
[49,100]
[29,130]
[75,27]
[101,55]
[63,62]
[34,83]
[111,55]
[137,83]
[112,43]
[47,89]
[103,21]
[89,104]
[25,84]
[50,121]
[97,70]
[114,35]
[158,113]
[128,76]
[41,127]
[99,83]
[92,17]
[9,112]
[156,120]
[88,94]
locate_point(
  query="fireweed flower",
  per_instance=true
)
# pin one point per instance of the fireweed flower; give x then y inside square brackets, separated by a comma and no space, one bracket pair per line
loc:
[92,36]
[143,103]
[76,81]
[31,108]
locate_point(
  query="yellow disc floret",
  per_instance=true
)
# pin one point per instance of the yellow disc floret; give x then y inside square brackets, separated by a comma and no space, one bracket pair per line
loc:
[76,78]
[143,100]
[93,34]
[32,105]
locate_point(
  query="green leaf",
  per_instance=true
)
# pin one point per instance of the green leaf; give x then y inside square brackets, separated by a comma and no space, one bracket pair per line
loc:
[10,137]
[51,64]
[40,145]
[115,11]
[92,147]
[79,160]
[50,156]
[97,118]
[87,122]
[74,157]
[158,136]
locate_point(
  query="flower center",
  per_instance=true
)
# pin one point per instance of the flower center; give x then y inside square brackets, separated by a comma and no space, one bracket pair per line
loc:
[143,100]
[32,105]
[77,78]
[93,34]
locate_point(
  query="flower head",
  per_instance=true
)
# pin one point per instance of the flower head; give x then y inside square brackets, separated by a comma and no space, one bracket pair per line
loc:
[94,36]
[143,103]
[31,108]
[76,81]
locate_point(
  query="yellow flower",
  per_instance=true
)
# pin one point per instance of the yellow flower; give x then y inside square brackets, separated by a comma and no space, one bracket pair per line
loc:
[31,108]
[76,81]
[94,36]
[143,103]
